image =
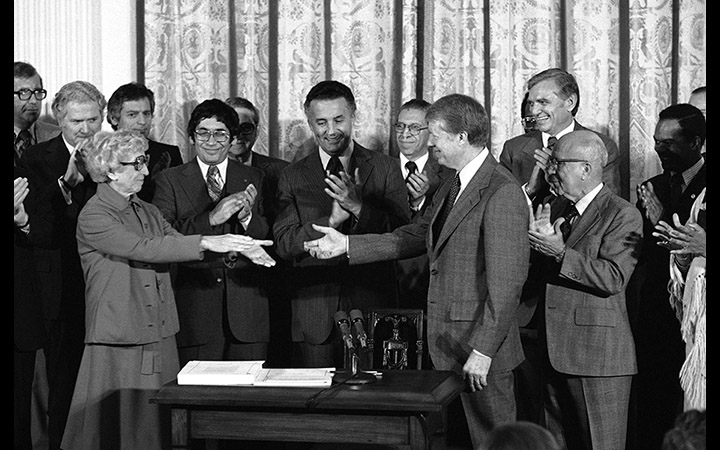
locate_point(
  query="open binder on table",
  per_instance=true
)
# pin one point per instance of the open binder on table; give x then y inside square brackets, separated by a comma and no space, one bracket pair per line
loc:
[251,373]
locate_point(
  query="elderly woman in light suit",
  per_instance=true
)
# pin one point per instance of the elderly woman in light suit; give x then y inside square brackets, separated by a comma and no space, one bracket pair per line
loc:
[126,247]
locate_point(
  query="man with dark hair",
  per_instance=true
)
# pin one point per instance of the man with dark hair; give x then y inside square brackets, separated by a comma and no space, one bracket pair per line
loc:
[679,137]
[131,107]
[475,236]
[222,308]
[29,94]
[345,186]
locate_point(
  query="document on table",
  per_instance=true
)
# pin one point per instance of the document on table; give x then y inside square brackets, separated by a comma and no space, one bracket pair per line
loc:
[220,373]
[249,373]
[295,377]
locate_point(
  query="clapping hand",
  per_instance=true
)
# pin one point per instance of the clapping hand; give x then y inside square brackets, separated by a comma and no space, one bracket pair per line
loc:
[344,189]
[247,200]
[545,237]
[417,185]
[162,164]
[654,210]
[21,192]
[331,245]
[681,239]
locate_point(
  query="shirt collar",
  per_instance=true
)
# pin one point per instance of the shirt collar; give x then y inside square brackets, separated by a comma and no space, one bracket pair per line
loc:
[563,132]
[582,204]
[420,162]
[222,168]
[467,172]
[689,173]
[344,159]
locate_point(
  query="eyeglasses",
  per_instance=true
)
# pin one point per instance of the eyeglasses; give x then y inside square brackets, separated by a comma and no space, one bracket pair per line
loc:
[246,128]
[528,122]
[140,161]
[25,94]
[221,136]
[414,129]
[556,163]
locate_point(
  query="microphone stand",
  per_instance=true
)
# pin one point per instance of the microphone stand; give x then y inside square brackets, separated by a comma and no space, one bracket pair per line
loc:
[355,377]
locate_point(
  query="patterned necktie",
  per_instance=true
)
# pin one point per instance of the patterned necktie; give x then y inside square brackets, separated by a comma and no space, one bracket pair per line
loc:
[22,141]
[676,181]
[214,183]
[569,214]
[335,166]
[552,140]
[411,168]
[447,207]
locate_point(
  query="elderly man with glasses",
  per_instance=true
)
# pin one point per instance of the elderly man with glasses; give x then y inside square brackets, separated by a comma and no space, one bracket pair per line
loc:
[222,307]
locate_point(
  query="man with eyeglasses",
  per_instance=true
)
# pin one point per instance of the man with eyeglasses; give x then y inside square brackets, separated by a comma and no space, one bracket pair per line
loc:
[29,331]
[29,96]
[422,174]
[346,186]
[587,240]
[222,308]
[279,303]
[131,107]
[59,184]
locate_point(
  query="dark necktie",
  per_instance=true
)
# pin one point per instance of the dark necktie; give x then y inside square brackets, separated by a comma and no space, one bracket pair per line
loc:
[447,207]
[335,166]
[552,140]
[676,181]
[411,168]
[22,141]
[214,183]
[570,213]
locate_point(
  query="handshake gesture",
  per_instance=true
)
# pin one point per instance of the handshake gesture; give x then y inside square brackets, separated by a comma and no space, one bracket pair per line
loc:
[333,244]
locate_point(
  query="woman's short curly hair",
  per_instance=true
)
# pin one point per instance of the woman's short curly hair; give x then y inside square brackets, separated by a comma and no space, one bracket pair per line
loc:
[108,148]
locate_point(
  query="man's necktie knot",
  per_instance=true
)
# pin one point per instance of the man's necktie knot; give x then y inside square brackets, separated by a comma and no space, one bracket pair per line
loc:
[411,169]
[552,140]
[214,183]
[334,166]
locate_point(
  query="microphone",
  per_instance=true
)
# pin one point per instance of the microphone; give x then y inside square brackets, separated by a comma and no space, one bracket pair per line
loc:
[341,320]
[358,324]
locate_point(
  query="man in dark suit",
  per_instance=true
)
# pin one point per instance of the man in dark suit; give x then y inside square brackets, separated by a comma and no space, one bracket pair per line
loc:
[131,107]
[475,236]
[280,345]
[657,394]
[588,238]
[343,185]
[28,98]
[553,99]
[59,182]
[423,175]
[222,308]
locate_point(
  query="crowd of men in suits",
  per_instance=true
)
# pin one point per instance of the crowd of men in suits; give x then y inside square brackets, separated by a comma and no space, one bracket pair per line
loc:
[543,287]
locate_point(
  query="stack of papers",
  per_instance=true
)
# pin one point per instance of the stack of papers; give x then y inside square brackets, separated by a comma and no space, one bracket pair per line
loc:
[251,373]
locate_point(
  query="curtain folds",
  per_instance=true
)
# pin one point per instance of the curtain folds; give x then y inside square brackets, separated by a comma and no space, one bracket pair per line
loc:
[632,58]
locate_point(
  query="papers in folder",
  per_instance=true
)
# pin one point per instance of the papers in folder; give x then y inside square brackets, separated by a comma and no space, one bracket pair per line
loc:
[251,373]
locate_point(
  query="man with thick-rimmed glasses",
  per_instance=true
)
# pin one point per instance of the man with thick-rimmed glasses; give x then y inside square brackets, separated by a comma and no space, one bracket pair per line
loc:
[222,309]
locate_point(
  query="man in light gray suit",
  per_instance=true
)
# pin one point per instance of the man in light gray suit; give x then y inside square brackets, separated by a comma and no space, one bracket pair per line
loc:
[588,239]
[475,236]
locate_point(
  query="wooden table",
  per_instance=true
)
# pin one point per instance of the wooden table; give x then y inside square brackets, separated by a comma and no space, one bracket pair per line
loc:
[404,408]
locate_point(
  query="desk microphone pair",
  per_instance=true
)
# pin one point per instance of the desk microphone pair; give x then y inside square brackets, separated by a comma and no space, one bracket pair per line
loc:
[343,323]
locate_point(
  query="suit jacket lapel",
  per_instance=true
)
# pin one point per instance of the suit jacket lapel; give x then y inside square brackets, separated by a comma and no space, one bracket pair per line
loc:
[469,197]
[360,160]
[194,186]
[589,217]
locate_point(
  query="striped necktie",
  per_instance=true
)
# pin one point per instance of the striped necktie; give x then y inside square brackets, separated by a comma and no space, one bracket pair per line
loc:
[214,183]
[22,141]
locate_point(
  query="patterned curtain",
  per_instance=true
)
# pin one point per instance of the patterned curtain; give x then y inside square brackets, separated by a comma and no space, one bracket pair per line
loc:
[632,58]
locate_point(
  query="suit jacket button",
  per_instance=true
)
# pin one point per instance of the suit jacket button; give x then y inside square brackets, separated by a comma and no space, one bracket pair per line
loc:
[433,272]
[219,280]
